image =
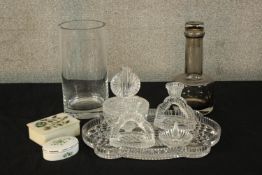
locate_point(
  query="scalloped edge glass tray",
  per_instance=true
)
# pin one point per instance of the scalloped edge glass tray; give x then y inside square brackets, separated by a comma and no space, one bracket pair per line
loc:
[95,134]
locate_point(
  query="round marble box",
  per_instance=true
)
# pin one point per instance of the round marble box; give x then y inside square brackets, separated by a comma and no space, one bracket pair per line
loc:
[60,148]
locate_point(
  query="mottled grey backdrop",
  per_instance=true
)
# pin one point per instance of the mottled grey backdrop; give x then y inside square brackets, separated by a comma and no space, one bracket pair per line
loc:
[144,34]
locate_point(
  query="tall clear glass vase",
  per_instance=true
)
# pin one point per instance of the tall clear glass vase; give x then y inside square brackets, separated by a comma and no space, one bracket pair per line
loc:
[84,70]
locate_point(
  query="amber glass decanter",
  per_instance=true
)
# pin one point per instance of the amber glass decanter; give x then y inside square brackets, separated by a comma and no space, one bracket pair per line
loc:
[198,90]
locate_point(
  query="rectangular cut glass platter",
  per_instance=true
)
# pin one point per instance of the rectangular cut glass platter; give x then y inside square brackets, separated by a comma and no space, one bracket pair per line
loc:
[96,132]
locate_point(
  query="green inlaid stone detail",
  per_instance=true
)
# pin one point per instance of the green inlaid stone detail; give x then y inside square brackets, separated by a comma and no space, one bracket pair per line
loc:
[40,124]
[52,122]
[47,127]
[60,141]
[68,154]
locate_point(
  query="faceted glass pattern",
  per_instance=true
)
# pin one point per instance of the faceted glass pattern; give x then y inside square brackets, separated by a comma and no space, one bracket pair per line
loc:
[125,83]
[175,137]
[96,135]
[126,113]
[182,114]
[173,130]
[133,131]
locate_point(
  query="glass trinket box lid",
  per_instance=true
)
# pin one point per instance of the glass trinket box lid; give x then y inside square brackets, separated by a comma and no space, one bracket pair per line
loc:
[130,129]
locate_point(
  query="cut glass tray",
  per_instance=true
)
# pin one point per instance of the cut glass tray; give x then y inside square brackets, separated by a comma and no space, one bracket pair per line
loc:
[95,134]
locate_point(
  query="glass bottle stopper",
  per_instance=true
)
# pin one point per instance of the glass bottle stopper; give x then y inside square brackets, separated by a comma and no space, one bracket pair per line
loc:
[125,83]
[175,89]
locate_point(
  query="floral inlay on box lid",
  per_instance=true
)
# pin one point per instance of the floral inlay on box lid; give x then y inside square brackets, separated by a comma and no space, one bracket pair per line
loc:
[60,144]
[52,123]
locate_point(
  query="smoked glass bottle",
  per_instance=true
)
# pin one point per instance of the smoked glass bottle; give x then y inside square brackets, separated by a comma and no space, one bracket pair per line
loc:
[198,90]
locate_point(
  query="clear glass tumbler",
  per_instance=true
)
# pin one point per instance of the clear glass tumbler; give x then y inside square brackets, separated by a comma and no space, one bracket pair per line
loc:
[84,70]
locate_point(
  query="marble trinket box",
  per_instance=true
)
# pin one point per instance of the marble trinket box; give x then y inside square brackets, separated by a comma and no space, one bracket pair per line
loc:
[51,127]
[60,148]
